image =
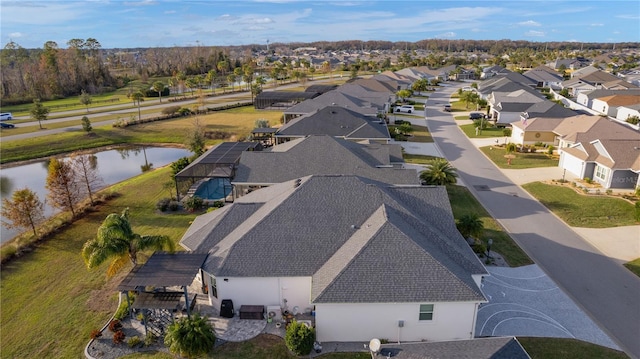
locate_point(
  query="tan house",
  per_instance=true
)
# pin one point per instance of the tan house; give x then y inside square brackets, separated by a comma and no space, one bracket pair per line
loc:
[551,131]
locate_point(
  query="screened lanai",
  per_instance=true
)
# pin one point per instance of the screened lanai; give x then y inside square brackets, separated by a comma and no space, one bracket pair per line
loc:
[278,100]
[209,176]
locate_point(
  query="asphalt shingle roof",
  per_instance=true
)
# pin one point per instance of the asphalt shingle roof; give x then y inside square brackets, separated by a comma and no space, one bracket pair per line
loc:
[300,226]
[338,122]
[321,155]
[483,348]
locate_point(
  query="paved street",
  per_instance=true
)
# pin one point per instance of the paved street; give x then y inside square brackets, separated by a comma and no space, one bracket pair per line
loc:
[607,291]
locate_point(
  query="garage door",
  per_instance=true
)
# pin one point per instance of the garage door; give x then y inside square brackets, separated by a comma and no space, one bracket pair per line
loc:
[571,164]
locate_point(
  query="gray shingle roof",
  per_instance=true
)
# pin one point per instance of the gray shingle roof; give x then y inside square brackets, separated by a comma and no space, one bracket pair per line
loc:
[299,229]
[338,122]
[335,98]
[482,348]
[321,155]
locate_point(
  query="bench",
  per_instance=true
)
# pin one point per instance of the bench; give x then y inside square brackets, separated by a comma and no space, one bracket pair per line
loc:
[252,312]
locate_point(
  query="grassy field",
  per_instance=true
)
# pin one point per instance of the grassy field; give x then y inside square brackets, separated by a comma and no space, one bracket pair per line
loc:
[552,348]
[634,266]
[237,123]
[421,134]
[470,131]
[580,210]
[521,160]
[463,202]
[50,301]
[418,159]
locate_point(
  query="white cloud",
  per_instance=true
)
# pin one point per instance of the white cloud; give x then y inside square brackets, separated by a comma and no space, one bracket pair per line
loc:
[533,33]
[15,35]
[168,12]
[596,24]
[529,23]
[226,17]
[140,3]
[446,35]
[265,20]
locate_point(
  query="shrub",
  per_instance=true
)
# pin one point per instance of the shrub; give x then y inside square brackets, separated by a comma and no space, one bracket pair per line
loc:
[217,204]
[299,338]
[95,334]
[637,191]
[115,325]
[573,184]
[149,339]
[184,111]
[193,203]
[588,180]
[637,208]
[134,341]
[539,144]
[163,204]
[634,120]
[479,248]
[174,205]
[118,337]
[609,191]
[170,110]
[550,149]
[598,191]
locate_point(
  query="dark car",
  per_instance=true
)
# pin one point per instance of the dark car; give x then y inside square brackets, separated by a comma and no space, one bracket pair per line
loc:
[475,116]
[447,107]
[7,125]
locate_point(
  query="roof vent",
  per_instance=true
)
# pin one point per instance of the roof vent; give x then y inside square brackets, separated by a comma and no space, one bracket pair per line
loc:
[353,226]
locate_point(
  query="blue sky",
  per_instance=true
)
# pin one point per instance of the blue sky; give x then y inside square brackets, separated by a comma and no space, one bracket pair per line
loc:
[160,23]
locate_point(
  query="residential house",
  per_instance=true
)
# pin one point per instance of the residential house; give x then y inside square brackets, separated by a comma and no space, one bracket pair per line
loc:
[624,112]
[607,152]
[371,260]
[588,82]
[337,122]
[550,130]
[586,98]
[545,77]
[491,71]
[315,155]
[608,105]
[334,98]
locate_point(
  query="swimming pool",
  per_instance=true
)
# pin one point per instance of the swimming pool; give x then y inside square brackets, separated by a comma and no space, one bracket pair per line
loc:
[214,189]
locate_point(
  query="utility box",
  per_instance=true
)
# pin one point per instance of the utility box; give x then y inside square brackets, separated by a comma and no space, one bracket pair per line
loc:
[276,310]
[400,323]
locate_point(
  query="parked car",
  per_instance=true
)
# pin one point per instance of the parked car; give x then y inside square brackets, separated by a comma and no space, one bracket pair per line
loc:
[405,108]
[6,125]
[6,116]
[447,107]
[475,116]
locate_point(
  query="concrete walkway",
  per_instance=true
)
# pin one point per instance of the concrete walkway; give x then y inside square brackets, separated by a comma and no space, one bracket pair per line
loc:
[524,301]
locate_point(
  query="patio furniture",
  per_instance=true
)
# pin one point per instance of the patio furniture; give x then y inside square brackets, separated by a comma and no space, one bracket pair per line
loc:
[252,312]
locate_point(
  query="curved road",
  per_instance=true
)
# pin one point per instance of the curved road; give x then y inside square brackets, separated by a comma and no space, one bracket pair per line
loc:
[606,290]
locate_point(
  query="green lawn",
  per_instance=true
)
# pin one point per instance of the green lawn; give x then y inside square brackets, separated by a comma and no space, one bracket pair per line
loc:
[470,131]
[521,160]
[579,210]
[420,134]
[50,302]
[463,202]
[552,348]
[237,123]
[634,266]
[418,159]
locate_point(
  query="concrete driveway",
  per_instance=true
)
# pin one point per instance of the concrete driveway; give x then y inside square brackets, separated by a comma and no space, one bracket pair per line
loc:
[524,301]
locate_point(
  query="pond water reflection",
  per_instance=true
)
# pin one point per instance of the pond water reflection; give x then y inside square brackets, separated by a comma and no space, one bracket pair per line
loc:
[113,166]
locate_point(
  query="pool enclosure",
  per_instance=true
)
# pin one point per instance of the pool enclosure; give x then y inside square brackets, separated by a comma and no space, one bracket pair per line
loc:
[209,176]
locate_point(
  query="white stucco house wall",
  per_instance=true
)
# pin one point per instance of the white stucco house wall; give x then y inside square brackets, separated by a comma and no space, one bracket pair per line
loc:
[369,262]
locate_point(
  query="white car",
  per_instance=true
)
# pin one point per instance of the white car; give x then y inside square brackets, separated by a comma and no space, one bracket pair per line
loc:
[405,108]
[6,116]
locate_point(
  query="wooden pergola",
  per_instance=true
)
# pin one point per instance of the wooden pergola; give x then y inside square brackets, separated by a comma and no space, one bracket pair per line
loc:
[163,270]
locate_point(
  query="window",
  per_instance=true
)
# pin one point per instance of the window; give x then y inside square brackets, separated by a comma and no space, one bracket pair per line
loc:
[426,312]
[601,172]
[214,287]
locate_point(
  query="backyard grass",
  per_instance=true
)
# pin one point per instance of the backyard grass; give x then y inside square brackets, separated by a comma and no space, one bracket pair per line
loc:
[470,131]
[237,123]
[634,266]
[552,348]
[579,210]
[418,159]
[463,202]
[420,134]
[50,302]
[521,160]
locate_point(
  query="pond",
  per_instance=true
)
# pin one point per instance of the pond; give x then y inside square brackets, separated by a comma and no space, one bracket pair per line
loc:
[113,166]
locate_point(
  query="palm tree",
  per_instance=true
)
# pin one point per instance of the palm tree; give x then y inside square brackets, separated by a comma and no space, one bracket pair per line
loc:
[116,239]
[190,337]
[470,225]
[439,173]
